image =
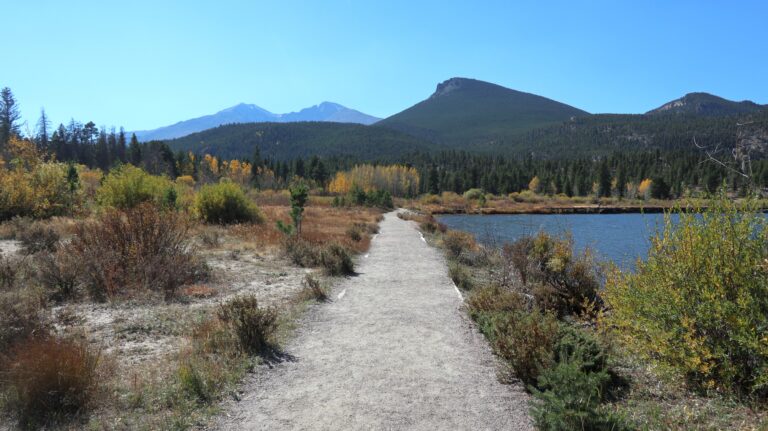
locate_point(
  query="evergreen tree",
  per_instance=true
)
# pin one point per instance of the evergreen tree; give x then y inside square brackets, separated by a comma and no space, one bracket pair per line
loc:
[42,138]
[434,184]
[102,151]
[121,146]
[604,180]
[134,151]
[659,188]
[9,117]
[621,182]
[256,165]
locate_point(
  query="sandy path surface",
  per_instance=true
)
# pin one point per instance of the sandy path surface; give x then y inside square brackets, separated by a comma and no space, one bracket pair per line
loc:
[392,351]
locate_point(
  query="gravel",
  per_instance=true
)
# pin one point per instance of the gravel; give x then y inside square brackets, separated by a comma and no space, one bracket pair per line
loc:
[394,350]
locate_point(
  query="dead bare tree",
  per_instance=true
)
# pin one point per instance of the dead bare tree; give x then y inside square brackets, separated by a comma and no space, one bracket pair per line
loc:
[751,142]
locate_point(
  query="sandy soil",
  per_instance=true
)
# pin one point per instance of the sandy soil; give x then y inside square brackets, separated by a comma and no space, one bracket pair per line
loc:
[394,350]
[9,247]
[137,333]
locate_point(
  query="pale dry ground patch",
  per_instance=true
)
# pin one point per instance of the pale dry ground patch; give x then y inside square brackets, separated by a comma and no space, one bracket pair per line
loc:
[140,339]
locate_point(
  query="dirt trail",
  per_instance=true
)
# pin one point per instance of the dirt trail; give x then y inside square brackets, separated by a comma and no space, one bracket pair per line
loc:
[392,351]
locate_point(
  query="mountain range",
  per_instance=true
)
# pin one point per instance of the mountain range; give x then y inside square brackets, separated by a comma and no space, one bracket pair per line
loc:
[468,115]
[248,113]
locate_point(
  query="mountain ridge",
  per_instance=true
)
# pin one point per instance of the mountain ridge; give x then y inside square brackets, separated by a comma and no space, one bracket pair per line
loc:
[250,113]
[701,103]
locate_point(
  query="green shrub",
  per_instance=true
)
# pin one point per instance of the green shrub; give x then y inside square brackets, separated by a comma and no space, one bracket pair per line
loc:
[460,276]
[579,345]
[225,203]
[49,378]
[355,233]
[570,399]
[336,260]
[526,341]
[195,382]
[301,252]
[559,280]
[473,194]
[128,186]
[568,395]
[255,327]
[698,305]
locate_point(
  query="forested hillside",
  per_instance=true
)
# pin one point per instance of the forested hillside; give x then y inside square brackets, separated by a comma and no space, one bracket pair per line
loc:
[466,112]
[286,141]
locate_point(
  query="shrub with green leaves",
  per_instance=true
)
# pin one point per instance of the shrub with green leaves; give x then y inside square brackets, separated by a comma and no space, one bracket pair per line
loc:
[128,186]
[697,307]
[460,276]
[225,203]
[560,280]
[255,327]
[526,341]
[336,260]
[473,194]
[570,399]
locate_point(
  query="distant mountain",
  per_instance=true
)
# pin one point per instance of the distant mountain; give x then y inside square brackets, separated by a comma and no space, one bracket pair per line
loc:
[246,113]
[465,112]
[706,104]
[329,111]
[285,141]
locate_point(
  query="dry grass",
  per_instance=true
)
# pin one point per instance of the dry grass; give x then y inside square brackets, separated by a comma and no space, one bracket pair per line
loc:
[49,379]
[13,229]
[320,225]
[199,291]
[529,203]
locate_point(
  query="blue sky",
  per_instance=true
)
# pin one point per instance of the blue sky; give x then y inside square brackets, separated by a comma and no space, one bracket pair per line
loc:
[143,64]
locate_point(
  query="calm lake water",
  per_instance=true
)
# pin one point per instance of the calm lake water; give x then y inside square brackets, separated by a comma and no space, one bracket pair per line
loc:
[620,238]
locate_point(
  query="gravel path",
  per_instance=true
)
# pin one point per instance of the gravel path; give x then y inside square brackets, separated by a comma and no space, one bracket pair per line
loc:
[392,351]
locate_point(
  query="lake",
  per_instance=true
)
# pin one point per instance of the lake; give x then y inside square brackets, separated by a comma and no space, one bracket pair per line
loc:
[620,238]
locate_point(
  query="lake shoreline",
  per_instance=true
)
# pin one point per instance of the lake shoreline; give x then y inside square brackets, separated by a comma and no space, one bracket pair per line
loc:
[581,209]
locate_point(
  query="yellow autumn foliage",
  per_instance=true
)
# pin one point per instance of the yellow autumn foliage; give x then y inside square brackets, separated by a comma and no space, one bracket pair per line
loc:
[398,180]
[644,189]
[534,185]
[697,307]
[30,187]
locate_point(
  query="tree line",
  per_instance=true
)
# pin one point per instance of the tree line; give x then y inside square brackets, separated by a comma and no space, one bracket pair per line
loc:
[673,172]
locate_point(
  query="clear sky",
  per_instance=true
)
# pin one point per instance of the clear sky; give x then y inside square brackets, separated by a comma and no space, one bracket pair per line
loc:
[143,64]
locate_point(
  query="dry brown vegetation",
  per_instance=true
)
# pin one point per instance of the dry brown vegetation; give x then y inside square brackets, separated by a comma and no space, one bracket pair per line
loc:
[172,349]
[529,203]
[49,378]
[320,225]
